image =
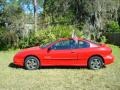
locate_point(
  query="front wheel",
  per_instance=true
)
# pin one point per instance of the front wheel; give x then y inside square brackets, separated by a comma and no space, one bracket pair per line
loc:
[31,63]
[95,62]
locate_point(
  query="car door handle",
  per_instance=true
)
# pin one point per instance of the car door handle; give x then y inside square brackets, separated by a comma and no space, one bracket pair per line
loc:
[72,52]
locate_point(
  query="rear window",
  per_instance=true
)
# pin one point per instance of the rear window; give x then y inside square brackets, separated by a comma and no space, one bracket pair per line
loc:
[83,44]
[94,42]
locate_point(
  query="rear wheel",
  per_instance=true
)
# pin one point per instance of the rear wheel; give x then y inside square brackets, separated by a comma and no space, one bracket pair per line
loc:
[95,62]
[31,63]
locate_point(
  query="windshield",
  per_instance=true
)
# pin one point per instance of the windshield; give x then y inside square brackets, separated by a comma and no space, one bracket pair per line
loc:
[46,45]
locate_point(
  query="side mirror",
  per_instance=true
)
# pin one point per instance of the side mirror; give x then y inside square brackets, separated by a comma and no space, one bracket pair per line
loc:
[49,48]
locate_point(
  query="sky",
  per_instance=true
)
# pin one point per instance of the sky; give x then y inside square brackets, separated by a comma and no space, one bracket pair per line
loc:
[30,9]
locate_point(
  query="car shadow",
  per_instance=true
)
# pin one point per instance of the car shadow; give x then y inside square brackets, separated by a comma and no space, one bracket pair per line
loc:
[11,65]
[62,67]
[67,67]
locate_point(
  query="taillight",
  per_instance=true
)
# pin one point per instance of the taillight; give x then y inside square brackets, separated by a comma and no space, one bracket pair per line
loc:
[111,50]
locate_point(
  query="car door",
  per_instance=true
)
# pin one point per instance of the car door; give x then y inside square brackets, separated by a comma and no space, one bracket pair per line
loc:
[83,51]
[61,53]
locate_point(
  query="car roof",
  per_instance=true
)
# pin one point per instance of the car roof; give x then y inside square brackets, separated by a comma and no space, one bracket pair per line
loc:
[71,38]
[79,39]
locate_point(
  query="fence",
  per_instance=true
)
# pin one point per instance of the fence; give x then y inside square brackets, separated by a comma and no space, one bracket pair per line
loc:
[113,38]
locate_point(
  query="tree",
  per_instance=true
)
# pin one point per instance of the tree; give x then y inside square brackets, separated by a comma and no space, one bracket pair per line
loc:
[90,15]
[35,14]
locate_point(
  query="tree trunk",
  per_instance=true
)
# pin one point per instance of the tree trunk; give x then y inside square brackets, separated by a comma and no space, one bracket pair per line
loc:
[35,15]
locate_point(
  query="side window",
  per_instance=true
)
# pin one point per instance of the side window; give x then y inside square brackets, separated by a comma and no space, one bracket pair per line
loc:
[65,44]
[83,44]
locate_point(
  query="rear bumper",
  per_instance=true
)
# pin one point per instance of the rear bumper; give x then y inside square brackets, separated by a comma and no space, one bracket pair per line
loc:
[109,59]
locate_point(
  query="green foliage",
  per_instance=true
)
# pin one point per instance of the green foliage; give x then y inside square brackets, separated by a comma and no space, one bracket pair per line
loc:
[103,39]
[58,19]
[53,33]
[77,11]
[112,26]
[8,39]
[47,35]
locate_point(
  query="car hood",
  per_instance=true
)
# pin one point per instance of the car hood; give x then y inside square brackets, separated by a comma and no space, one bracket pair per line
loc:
[30,49]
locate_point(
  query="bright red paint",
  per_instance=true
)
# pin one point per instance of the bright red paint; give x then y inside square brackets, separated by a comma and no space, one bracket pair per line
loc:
[67,57]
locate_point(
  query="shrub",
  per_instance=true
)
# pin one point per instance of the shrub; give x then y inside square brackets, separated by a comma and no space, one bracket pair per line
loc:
[53,33]
[103,39]
[47,35]
[112,26]
[8,39]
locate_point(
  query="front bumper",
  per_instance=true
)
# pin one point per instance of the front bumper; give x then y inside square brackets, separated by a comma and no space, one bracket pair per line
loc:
[18,61]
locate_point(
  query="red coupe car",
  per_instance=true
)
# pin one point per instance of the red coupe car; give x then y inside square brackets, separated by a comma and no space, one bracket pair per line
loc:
[65,52]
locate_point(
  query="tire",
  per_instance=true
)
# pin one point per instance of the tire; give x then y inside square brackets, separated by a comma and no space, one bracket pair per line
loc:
[32,63]
[95,63]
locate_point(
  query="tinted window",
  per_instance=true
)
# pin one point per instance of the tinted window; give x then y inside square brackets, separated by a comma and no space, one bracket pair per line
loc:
[83,44]
[65,44]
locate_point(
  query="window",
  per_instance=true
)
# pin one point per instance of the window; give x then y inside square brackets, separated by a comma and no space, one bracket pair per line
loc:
[70,44]
[83,44]
[65,44]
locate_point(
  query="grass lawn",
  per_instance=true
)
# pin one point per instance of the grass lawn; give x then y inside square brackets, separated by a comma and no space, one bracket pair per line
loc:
[12,78]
